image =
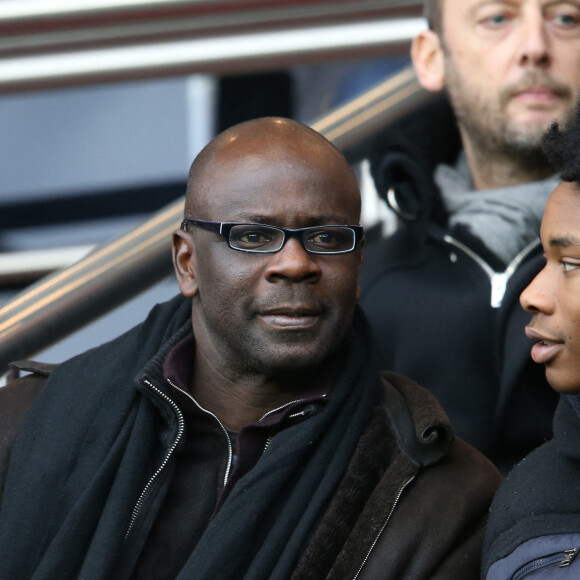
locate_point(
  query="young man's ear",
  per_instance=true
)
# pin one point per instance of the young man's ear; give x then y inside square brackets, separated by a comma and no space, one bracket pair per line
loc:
[184,263]
[428,60]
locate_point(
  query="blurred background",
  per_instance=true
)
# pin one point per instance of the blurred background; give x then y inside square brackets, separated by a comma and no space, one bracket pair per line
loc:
[104,104]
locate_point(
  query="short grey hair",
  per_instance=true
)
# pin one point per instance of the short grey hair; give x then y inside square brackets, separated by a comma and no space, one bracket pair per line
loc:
[432,12]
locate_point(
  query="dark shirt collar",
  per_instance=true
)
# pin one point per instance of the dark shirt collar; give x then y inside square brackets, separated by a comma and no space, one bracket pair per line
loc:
[178,367]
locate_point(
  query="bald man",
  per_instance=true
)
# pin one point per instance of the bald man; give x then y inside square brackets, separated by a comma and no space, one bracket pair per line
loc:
[243,430]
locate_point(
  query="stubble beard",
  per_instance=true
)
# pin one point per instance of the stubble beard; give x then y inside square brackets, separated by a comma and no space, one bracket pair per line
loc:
[492,133]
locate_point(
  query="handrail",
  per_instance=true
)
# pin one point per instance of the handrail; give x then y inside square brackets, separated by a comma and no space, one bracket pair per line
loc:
[66,300]
[57,305]
[26,266]
[224,54]
[65,43]
[37,25]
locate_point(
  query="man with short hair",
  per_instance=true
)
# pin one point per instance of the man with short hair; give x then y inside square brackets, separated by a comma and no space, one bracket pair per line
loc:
[244,429]
[535,517]
[469,184]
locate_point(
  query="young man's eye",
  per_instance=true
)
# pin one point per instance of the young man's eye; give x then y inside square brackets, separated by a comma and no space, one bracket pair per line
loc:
[570,266]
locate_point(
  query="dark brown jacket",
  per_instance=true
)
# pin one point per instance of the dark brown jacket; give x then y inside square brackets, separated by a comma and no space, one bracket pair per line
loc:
[412,505]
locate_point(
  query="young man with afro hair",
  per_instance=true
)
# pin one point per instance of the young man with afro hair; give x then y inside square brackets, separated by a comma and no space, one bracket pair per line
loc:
[534,526]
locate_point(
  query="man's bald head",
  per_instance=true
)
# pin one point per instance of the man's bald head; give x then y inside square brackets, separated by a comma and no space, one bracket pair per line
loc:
[279,312]
[279,140]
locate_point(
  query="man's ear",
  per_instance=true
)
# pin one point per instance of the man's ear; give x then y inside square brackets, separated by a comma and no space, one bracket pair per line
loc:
[184,263]
[360,262]
[429,60]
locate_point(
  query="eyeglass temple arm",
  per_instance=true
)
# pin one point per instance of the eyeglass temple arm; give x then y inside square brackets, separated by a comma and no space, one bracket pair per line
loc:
[206,225]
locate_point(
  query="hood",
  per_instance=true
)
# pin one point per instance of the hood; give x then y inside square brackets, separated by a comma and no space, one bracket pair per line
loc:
[405,157]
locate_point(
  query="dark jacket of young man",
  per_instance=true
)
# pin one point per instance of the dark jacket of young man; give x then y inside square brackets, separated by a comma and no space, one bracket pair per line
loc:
[535,527]
[137,481]
[445,309]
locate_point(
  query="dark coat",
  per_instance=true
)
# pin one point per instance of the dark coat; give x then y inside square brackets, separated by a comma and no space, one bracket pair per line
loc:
[412,503]
[535,517]
[428,294]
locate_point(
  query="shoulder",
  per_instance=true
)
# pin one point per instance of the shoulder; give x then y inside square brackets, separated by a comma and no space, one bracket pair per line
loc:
[16,399]
[547,557]
[442,487]
[452,470]
[421,427]
[533,502]
[431,440]
[18,395]
[402,250]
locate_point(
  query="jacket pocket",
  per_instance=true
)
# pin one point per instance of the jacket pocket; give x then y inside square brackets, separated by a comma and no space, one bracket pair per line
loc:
[561,559]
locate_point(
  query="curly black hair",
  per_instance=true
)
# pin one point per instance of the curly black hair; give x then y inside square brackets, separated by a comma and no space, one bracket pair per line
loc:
[562,147]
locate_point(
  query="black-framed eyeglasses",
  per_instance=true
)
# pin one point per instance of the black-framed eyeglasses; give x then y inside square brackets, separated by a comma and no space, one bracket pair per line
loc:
[266,239]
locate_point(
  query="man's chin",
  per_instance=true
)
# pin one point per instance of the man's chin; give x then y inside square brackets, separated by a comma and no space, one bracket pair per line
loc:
[288,361]
[529,124]
[525,138]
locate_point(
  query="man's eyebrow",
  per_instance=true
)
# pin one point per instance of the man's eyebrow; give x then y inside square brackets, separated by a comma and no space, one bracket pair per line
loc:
[313,220]
[483,3]
[565,241]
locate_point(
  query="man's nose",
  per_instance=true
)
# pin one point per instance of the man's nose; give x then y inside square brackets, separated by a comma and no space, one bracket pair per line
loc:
[534,41]
[537,297]
[293,263]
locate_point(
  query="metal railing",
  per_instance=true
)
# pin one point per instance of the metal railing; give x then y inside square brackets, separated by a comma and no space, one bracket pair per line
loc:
[27,266]
[64,301]
[69,299]
[65,43]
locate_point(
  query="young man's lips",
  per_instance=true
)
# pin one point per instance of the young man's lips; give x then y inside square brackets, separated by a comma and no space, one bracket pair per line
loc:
[545,349]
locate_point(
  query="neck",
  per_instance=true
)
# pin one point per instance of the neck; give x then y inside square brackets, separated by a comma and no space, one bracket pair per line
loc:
[238,400]
[497,167]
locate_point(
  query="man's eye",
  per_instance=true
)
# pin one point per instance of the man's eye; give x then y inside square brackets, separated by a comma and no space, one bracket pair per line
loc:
[569,266]
[325,239]
[254,238]
[567,20]
[251,239]
[564,15]
[495,20]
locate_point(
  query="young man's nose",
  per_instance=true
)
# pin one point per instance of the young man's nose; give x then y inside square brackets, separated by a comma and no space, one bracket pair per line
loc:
[537,296]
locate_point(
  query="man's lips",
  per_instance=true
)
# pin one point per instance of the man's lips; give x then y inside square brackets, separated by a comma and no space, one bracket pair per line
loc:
[291,317]
[537,95]
[546,347]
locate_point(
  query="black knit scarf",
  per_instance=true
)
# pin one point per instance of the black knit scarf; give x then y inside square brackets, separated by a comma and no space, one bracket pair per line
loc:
[86,448]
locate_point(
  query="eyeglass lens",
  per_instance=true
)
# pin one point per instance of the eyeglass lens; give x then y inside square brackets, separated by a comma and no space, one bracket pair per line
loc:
[323,240]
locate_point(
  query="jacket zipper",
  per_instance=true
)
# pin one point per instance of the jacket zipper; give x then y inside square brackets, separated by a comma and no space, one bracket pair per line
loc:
[283,407]
[270,437]
[224,430]
[396,502]
[562,559]
[180,431]
[498,280]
